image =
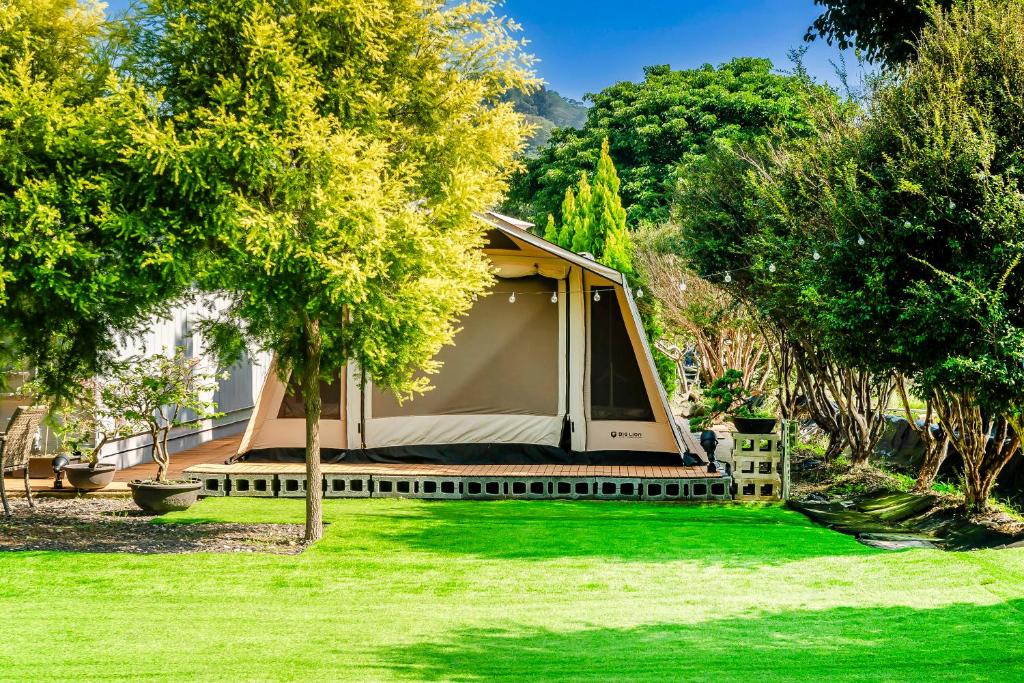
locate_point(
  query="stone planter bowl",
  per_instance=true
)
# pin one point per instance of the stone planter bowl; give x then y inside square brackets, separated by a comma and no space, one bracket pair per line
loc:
[160,498]
[85,478]
[755,425]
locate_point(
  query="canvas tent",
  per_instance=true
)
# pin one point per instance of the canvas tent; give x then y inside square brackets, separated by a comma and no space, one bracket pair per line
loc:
[552,365]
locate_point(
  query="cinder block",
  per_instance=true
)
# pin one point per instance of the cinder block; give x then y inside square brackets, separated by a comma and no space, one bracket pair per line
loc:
[347,485]
[252,485]
[395,487]
[532,488]
[757,466]
[573,488]
[485,488]
[719,488]
[756,443]
[615,488]
[440,488]
[699,489]
[214,485]
[758,490]
[291,485]
[666,489]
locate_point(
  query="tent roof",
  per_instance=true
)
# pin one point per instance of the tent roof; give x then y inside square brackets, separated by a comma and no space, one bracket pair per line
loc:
[513,227]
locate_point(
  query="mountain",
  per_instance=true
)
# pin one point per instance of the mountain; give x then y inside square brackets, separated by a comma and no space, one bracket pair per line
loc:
[547,110]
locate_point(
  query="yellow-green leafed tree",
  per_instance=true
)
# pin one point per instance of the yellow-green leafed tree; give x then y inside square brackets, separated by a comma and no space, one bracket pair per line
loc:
[334,152]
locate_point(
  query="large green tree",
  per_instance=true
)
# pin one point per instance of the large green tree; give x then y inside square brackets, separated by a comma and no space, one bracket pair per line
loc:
[939,293]
[336,151]
[897,236]
[655,127]
[883,30]
[88,249]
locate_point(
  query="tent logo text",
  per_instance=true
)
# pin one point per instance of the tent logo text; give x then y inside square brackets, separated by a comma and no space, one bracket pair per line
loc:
[627,435]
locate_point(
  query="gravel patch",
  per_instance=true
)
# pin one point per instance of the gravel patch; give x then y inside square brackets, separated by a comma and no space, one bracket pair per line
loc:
[117,526]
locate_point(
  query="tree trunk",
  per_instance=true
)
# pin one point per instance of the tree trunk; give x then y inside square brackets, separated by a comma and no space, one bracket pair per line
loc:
[311,401]
[985,441]
[935,452]
[159,457]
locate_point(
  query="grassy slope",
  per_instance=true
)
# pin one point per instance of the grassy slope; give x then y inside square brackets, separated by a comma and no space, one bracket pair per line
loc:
[546,590]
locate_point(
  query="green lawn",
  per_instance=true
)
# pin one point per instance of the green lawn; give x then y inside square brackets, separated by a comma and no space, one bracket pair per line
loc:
[519,590]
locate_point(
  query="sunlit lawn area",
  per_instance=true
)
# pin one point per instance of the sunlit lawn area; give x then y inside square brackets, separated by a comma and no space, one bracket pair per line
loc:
[519,590]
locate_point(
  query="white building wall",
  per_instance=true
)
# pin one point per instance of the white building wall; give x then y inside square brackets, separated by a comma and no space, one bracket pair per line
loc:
[235,396]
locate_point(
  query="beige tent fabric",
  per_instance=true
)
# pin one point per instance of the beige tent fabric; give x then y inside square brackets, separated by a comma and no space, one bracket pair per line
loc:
[504,361]
[430,430]
[330,401]
[267,430]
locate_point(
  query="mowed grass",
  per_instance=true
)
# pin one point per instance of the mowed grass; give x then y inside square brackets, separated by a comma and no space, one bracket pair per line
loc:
[539,590]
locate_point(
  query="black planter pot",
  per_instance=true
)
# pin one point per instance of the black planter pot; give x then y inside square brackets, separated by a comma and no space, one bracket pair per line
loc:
[161,498]
[755,425]
[82,477]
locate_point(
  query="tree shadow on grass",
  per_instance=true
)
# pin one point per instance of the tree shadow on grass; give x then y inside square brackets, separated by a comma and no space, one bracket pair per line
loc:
[728,535]
[957,642]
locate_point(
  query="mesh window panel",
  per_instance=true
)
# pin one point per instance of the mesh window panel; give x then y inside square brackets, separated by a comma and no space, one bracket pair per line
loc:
[617,390]
[504,361]
[330,401]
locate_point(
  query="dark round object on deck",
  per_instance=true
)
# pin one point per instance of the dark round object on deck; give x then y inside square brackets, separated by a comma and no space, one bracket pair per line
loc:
[161,498]
[85,478]
[751,425]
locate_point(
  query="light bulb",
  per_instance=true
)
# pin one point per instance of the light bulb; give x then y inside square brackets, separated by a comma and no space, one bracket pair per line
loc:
[474,297]
[512,299]
[906,224]
[771,268]
[554,297]
[817,256]
[640,293]
[682,286]
[728,277]
[597,295]
[952,205]
[860,240]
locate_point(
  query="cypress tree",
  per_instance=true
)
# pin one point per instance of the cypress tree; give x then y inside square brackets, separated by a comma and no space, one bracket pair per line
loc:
[609,237]
[580,223]
[551,230]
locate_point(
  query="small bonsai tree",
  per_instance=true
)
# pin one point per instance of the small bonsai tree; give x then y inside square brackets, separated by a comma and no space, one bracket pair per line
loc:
[727,394]
[164,393]
[101,415]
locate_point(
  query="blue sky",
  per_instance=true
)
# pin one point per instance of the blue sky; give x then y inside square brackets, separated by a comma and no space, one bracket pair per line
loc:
[586,45]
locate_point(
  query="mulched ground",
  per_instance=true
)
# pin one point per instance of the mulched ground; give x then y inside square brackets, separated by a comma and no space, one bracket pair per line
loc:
[118,526]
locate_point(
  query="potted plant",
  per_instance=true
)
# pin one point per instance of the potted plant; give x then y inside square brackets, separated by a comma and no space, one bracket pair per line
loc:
[726,395]
[168,393]
[100,418]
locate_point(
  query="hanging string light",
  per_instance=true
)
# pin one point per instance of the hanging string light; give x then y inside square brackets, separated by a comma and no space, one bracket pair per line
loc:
[772,268]
[817,255]
[640,293]
[554,297]
[512,299]
[860,240]
[597,295]
[682,286]
[728,277]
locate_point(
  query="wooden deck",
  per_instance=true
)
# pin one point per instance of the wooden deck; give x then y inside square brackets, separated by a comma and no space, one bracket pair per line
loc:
[209,458]
[431,470]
